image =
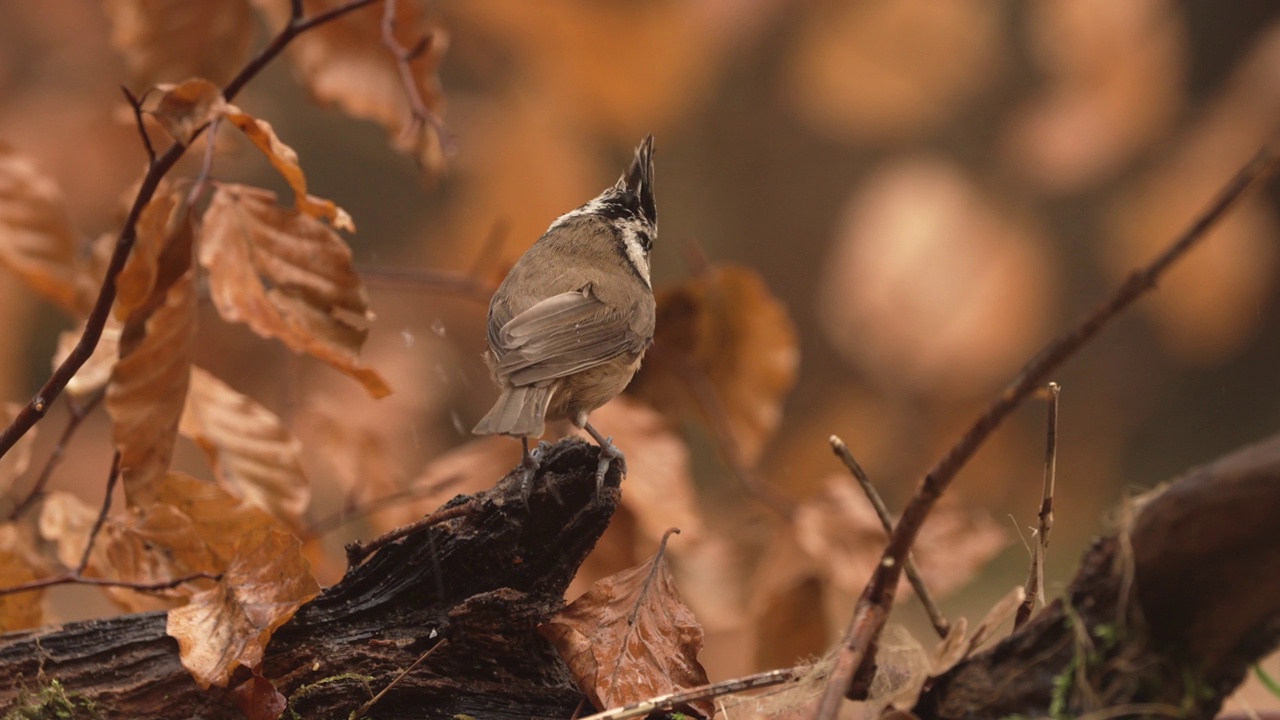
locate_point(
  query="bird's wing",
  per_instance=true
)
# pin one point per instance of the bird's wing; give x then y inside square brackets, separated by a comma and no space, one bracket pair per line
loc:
[562,335]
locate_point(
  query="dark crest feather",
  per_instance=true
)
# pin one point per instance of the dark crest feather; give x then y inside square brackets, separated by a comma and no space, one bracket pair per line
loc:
[637,181]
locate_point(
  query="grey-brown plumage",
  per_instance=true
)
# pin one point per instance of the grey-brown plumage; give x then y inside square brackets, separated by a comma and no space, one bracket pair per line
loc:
[574,316]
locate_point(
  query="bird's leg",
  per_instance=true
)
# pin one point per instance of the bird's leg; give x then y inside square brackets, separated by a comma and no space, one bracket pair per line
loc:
[608,453]
[530,462]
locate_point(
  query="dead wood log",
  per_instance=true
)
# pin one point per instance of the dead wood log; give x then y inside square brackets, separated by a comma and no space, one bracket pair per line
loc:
[483,581]
[1164,617]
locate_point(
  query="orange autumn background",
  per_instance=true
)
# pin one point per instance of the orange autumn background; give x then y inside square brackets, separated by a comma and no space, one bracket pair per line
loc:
[871,215]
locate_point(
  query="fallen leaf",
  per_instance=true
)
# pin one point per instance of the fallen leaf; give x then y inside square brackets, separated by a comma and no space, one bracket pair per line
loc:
[839,530]
[183,109]
[18,611]
[345,63]
[151,545]
[252,454]
[171,40]
[37,242]
[149,384]
[630,638]
[259,699]
[724,344]
[230,624]
[220,518]
[285,160]
[288,276]
[14,462]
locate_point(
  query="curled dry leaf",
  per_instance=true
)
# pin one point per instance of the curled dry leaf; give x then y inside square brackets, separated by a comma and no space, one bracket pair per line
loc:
[230,624]
[171,40]
[630,638]
[285,161]
[288,276]
[840,531]
[345,63]
[724,345]
[37,242]
[251,452]
[18,611]
[259,699]
[220,518]
[164,234]
[14,462]
[184,108]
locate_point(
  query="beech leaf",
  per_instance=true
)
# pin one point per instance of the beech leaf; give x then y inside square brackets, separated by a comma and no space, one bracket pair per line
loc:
[287,276]
[37,242]
[184,108]
[722,337]
[148,385]
[630,638]
[231,623]
[171,40]
[220,518]
[153,544]
[285,161]
[252,454]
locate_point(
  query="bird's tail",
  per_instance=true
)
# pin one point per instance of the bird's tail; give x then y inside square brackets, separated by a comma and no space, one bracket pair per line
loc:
[519,412]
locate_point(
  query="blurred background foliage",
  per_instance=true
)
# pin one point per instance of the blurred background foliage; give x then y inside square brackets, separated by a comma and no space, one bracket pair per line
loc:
[929,190]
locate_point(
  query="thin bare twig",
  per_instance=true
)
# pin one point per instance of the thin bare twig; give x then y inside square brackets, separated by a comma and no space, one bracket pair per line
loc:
[360,711]
[358,551]
[38,406]
[136,105]
[419,113]
[704,692]
[76,579]
[940,623]
[1039,551]
[112,478]
[78,413]
[873,606]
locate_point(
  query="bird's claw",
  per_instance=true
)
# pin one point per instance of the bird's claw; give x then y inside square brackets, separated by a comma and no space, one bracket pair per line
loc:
[608,454]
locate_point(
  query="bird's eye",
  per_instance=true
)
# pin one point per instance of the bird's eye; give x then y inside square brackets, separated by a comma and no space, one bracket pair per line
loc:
[645,242]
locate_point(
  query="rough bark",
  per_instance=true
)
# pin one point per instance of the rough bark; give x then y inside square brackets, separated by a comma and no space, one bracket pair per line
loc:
[1166,616]
[483,582]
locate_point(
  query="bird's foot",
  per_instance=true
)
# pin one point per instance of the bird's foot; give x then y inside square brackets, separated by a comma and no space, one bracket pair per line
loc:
[609,454]
[529,466]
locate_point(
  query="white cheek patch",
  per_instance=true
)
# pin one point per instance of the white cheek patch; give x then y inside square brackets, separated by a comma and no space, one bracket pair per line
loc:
[636,254]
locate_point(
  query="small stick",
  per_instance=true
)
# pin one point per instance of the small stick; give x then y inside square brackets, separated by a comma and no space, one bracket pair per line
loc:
[360,711]
[940,623]
[78,413]
[704,692]
[76,579]
[358,551]
[1035,576]
[872,610]
[136,104]
[419,113]
[112,478]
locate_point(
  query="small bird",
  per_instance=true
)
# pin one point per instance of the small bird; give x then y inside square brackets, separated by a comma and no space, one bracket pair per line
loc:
[574,316]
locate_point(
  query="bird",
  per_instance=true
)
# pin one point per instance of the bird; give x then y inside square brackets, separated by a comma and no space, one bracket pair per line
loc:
[570,323]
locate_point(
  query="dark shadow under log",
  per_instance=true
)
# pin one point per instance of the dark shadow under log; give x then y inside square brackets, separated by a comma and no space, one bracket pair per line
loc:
[483,581]
[1165,617]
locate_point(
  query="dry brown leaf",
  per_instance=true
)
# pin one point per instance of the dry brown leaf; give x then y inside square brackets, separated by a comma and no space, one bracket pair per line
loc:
[251,452]
[37,242]
[14,462]
[230,624]
[345,63]
[184,108]
[220,518]
[630,638]
[866,72]
[285,160]
[288,276]
[149,384]
[723,338]
[96,371]
[839,530]
[18,611]
[259,699]
[164,234]
[171,40]
[932,287]
[66,520]
[151,545]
